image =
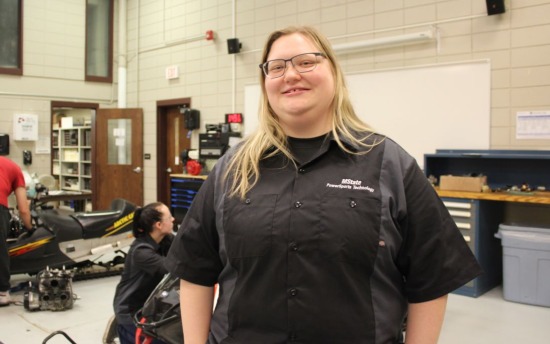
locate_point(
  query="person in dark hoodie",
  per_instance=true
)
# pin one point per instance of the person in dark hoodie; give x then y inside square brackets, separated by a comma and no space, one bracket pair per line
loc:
[144,266]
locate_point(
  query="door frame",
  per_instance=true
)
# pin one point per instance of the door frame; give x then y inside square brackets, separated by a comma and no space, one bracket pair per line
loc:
[162,109]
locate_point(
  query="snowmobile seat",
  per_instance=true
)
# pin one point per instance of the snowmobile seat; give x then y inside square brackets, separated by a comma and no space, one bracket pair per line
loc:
[99,223]
[64,227]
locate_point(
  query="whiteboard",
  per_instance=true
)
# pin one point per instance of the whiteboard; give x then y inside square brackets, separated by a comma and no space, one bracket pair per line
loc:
[444,106]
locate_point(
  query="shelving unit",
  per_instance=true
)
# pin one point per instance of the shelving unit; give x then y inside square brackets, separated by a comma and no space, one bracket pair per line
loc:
[72,158]
[72,151]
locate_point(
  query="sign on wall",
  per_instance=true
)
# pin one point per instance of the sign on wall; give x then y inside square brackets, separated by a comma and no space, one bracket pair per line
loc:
[25,127]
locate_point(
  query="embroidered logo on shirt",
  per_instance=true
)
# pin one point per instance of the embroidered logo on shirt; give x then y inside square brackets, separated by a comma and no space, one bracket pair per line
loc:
[350,184]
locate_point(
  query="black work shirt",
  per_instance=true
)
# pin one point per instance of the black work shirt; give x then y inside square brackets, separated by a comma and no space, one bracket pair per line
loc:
[329,252]
[143,270]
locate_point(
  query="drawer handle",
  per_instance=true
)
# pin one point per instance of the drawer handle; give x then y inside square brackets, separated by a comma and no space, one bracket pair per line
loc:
[463,225]
[460,213]
[458,205]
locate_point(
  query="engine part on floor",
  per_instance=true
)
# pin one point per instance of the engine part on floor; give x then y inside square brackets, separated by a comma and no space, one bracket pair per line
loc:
[85,271]
[52,291]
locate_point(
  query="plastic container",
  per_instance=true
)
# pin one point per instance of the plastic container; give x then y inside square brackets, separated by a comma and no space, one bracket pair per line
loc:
[526,264]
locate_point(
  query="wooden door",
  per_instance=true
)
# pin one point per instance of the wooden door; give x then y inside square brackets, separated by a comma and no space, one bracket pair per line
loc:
[176,141]
[119,157]
[172,139]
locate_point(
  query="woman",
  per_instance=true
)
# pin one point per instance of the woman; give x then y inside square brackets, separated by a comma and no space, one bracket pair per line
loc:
[317,229]
[144,266]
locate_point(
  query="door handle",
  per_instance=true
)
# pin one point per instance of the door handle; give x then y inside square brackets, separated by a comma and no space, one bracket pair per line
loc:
[169,170]
[137,169]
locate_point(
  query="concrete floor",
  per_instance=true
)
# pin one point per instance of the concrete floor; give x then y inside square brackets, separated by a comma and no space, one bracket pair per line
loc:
[484,320]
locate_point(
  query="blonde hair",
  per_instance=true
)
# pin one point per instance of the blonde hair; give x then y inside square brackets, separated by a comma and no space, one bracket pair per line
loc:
[269,139]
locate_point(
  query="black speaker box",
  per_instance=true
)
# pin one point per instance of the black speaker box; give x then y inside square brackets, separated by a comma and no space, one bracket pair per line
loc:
[192,119]
[4,144]
[495,7]
[233,46]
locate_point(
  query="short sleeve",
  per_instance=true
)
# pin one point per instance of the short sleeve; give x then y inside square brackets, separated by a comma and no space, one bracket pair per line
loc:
[434,257]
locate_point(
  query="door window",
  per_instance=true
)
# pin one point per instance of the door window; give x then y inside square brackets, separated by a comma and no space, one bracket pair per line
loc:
[119,133]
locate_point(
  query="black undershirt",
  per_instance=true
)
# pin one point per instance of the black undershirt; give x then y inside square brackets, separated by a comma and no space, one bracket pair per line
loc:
[305,149]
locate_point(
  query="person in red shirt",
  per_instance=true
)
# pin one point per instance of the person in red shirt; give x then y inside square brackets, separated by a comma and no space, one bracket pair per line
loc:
[11,180]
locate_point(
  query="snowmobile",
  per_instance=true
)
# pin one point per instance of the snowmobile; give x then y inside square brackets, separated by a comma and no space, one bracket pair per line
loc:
[58,240]
[159,318]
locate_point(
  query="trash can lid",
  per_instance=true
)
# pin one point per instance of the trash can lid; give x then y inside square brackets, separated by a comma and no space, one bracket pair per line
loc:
[525,237]
[520,228]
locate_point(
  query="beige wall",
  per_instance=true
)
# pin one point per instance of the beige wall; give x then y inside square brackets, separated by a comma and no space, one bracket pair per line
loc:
[517,44]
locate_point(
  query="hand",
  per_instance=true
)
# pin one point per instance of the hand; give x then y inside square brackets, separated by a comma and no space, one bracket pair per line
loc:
[26,234]
[31,230]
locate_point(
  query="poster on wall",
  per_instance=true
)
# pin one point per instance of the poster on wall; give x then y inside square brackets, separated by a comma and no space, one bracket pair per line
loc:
[43,145]
[533,125]
[25,127]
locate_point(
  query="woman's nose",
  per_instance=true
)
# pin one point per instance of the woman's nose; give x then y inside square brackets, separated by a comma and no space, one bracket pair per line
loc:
[291,72]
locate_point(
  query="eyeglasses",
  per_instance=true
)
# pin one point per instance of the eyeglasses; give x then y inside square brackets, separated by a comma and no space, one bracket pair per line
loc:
[303,63]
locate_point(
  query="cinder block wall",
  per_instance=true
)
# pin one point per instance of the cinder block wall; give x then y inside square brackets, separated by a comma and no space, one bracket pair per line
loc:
[516,42]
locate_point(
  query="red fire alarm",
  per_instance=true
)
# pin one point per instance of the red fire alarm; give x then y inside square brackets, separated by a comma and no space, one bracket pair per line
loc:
[209,35]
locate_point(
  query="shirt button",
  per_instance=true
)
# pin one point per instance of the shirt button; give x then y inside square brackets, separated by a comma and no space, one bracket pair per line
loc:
[294,246]
[298,204]
[247,201]
[352,204]
[292,292]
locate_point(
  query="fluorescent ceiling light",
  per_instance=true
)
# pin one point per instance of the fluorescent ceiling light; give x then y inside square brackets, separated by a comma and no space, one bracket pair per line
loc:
[409,38]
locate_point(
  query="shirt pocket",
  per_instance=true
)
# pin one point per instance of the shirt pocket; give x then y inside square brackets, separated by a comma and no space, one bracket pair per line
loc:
[248,225]
[349,228]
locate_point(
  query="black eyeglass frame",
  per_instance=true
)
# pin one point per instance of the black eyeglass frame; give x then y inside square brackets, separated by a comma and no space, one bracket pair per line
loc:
[264,65]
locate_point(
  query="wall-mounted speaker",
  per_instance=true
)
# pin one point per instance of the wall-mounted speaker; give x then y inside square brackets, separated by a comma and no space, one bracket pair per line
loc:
[192,119]
[233,46]
[4,144]
[495,7]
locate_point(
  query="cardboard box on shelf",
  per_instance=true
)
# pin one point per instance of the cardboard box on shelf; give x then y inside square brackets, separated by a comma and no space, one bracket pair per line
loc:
[458,183]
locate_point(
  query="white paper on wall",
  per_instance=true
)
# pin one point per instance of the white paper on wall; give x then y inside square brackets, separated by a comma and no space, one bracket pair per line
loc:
[25,127]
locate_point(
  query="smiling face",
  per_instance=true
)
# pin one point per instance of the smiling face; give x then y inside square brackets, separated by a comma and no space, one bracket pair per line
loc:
[301,101]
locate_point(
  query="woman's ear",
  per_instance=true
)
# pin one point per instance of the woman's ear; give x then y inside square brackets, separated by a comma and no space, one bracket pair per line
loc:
[157,225]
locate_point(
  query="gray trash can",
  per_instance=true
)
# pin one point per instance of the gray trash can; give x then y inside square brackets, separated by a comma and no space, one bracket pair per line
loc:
[526,264]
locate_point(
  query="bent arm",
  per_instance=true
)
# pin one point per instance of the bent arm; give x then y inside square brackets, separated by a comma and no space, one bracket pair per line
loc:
[23,207]
[425,320]
[196,304]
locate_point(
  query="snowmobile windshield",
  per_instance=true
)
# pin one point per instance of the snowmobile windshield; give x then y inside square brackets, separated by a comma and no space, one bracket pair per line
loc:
[164,301]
